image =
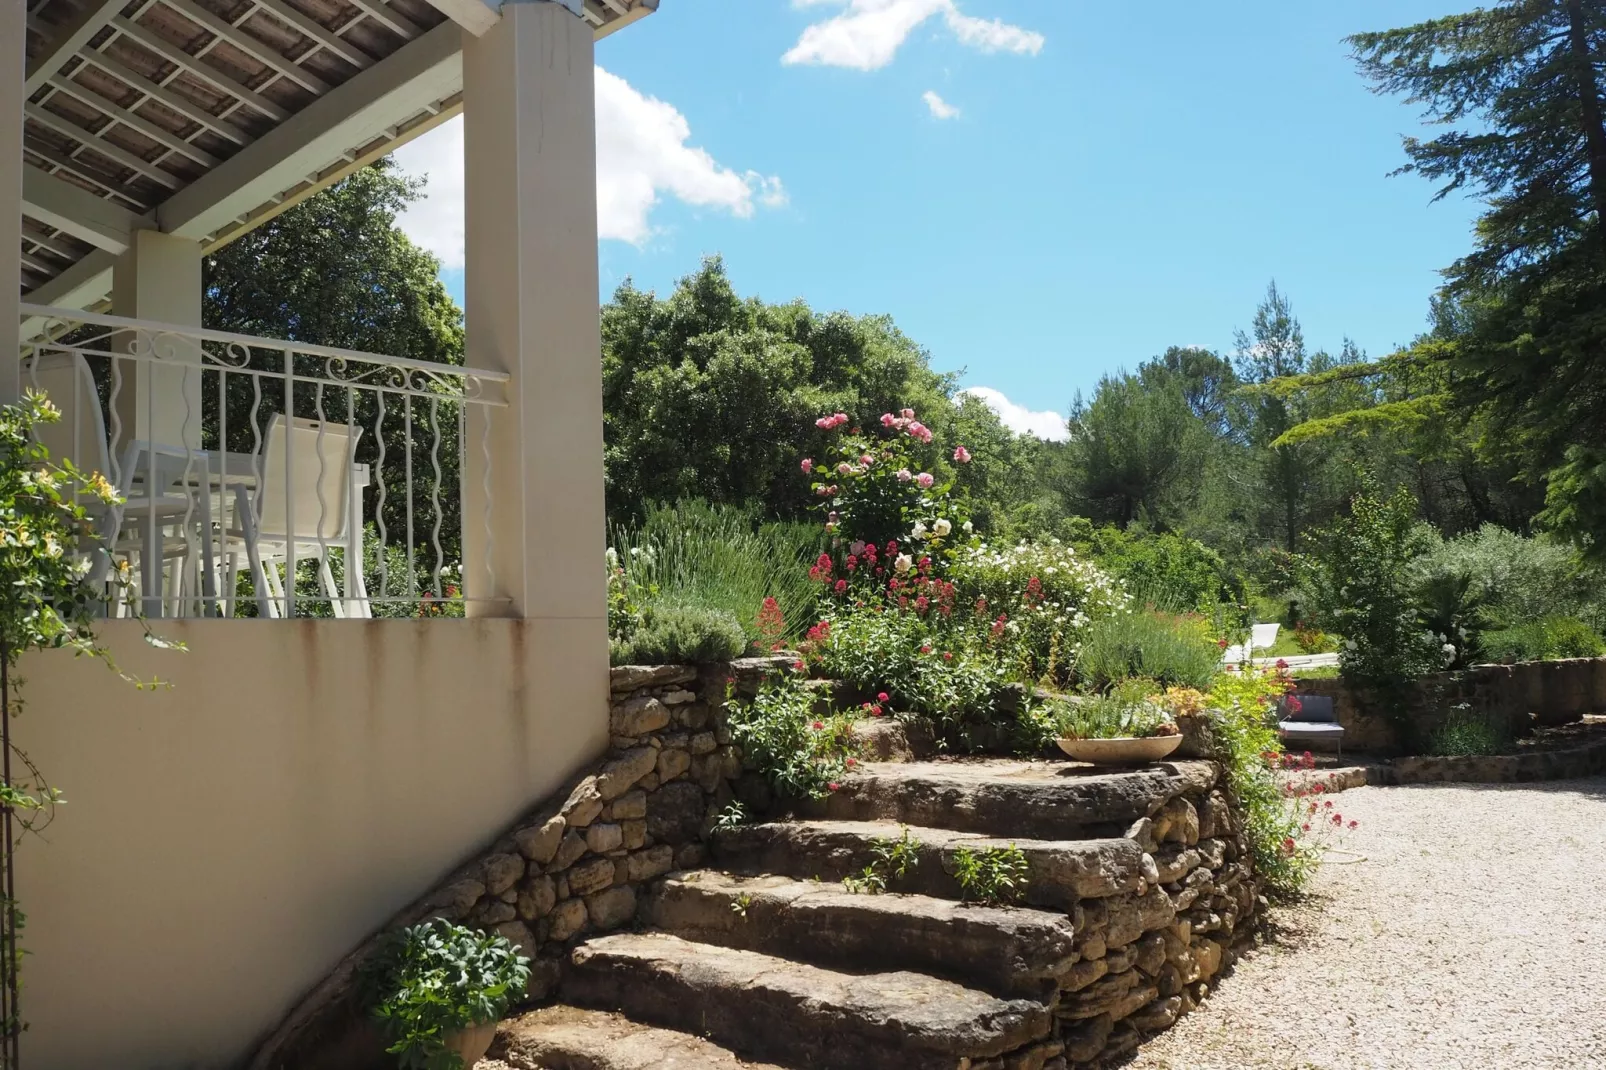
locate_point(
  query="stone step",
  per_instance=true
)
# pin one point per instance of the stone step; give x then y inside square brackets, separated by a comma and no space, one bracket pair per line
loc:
[798,1015]
[1000,797]
[1013,951]
[1060,872]
[569,1038]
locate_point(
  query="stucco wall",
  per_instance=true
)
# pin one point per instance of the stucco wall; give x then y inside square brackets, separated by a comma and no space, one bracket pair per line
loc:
[227,839]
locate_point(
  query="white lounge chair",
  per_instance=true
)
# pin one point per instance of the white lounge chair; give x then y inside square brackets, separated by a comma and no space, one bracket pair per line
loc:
[308,499]
[153,527]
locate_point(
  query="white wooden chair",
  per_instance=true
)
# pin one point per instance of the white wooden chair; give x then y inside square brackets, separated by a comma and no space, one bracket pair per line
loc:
[150,527]
[307,498]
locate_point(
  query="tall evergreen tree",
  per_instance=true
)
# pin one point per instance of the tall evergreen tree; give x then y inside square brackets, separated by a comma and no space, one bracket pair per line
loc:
[1519,86]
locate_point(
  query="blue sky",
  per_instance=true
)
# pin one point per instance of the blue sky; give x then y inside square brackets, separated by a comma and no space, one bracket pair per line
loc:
[1109,179]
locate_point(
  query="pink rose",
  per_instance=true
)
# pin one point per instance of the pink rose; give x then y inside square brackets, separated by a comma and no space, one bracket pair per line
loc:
[844,469]
[823,423]
[908,414]
[925,480]
[887,419]
[904,475]
[962,455]
[808,465]
[867,460]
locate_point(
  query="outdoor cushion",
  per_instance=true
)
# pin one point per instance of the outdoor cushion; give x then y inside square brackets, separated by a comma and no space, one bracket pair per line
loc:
[1309,728]
[1312,708]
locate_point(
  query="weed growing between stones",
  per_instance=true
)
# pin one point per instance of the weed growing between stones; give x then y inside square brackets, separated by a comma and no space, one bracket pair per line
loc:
[893,860]
[991,876]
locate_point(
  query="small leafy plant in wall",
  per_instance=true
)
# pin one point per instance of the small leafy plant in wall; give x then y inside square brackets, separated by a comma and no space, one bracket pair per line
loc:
[437,990]
[892,861]
[991,876]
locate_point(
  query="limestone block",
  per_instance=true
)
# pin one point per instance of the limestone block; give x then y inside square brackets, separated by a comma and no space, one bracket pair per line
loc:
[637,716]
[589,876]
[612,908]
[568,918]
[539,843]
[501,872]
[583,805]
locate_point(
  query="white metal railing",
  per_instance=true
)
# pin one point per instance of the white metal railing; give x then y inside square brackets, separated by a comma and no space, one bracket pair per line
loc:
[254,467]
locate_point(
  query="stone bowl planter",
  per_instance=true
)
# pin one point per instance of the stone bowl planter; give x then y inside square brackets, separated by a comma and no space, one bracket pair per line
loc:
[1127,751]
[471,1043]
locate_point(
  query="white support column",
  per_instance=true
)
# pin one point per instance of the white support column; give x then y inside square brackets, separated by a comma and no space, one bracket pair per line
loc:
[532,308]
[159,278]
[12,72]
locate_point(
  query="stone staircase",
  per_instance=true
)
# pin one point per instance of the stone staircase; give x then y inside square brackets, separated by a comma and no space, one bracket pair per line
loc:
[1137,893]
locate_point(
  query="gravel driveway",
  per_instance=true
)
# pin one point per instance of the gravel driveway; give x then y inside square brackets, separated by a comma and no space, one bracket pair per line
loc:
[1473,935]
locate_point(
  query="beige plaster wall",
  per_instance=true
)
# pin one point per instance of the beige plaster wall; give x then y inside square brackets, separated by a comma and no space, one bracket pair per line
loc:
[225,841]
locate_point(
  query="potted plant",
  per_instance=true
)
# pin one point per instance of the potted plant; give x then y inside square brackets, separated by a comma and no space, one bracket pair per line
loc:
[437,990]
[1124,727]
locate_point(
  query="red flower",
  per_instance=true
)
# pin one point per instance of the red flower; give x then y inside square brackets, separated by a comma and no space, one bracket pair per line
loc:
[833,785]
[798,665]
[841,587]
[1281,664]
[1306,826]
[818,725]
[1289,846]
[947,655]
[1354,824]
[881,696]
[1222,643]
[925,648]
[851,762]
[875,711]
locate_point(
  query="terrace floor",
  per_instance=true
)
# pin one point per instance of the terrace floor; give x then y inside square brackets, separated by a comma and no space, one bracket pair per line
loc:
[1468,935]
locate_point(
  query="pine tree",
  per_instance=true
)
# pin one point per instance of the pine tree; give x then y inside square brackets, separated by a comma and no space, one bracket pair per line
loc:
[1519,85]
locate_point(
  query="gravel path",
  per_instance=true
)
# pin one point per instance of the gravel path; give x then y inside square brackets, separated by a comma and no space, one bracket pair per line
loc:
[1472,936]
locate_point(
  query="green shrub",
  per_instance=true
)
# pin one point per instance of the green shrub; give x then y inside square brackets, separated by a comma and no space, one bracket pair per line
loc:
[429,980]
[1544,640]
[1362,575]
[716,557]
[681,635]
[1167,570]
[1173,651]
[1047,595]
[945,675]
[800,753]
[1516,579]
[1465,732]
[1242,715]
[1130,712]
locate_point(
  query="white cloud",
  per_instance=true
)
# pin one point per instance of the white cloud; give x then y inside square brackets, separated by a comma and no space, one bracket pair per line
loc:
[994,35]
[1018,418]
[940,108]
[867,35]
[642,155]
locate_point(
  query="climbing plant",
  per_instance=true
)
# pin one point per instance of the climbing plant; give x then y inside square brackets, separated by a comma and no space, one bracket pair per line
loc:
[51,595]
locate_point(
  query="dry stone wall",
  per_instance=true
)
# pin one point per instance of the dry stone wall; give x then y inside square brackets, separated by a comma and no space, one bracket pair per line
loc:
[1150,955]
[1523,696]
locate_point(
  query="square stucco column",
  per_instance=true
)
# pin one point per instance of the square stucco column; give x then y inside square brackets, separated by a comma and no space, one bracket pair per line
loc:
[532,311]
[12,64]
[159,278]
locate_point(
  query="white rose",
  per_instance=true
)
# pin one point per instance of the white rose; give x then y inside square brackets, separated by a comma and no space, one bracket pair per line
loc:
[904,563]
[942,528]
[969,527]
[919,530]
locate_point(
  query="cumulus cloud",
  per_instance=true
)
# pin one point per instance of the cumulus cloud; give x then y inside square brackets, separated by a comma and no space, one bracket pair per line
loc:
[868,33]
[643,155]
[1048,425]
[940,108]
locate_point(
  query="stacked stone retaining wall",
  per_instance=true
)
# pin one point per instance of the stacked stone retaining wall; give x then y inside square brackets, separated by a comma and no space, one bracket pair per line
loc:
[1522,697]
